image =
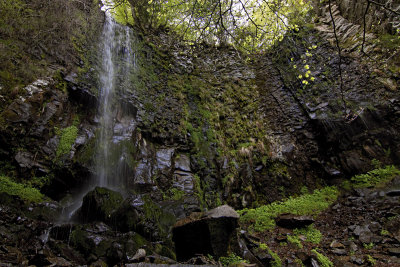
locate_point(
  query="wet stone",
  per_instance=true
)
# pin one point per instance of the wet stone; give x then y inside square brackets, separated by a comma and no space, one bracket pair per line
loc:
[99,205]
[292,221]
[356,260]
[393,193]
[336,244]
[205,233]
[394,252]
[339,251]
[182,163]
[164,158]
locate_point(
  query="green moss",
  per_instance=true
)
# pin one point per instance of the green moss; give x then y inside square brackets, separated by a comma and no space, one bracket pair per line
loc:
[111,200]
[294,239]
[368,246]
[371,260]
[40,182]
[322,259]
[262,218]
[276,260]
[155,214]
[375,178]
[85,154]
[199,191]
[165,251]
[389,41]
[67,139]
[25,192]
[385,232]
[312,235]
[81,242]
[231,260]
[175,194]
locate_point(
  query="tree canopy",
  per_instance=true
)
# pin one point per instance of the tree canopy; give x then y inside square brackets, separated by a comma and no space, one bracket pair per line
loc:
[248,24]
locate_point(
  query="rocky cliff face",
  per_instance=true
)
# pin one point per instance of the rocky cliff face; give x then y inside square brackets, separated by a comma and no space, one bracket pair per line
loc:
[193,127]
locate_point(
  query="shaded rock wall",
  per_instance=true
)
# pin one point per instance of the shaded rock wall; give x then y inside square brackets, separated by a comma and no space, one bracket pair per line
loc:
[378,19]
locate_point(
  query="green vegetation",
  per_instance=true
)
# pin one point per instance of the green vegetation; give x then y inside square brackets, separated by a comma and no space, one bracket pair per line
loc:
[249,25]
[312,235]
[31,31]
[385,232]
[231,259]
[375,178]
[67,139]
[276,262]
[174,194]
[40,182]
[371,260]
[368,246]
[22,191]
[294,239]
[322,259]
[262,218]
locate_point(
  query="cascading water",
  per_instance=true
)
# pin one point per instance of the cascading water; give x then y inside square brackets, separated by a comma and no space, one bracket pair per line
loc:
[118,61]
[116,123]
[107,77]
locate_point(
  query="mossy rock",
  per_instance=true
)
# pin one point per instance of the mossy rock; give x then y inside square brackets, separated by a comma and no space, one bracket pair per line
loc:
[146,218]
[165,251]
[99,205]
[80,241]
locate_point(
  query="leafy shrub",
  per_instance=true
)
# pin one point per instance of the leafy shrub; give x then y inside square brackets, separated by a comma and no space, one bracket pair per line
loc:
[377,177]
[262,218]
[23,191]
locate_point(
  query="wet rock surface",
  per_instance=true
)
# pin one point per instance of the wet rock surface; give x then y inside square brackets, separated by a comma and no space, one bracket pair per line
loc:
[99,205]
[212,232]
[292,221]
[203,127]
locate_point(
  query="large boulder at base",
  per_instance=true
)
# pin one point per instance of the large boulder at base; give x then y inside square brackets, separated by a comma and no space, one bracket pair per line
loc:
[141,214]
[212,232]
[99,204]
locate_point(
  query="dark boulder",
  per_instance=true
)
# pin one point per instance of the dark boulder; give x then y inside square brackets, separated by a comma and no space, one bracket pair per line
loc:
[394,251]
[80,92]
[99,205]
[292,221]
[206,233]
[142,215]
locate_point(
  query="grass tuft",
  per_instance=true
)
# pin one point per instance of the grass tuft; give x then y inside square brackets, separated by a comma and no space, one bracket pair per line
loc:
[262,218]
[23,191]
[375,178]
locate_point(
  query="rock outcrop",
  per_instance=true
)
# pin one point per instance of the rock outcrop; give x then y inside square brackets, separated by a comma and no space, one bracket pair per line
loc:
[210,233]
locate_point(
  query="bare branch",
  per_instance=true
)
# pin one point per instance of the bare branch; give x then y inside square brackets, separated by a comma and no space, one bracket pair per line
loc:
[364,26]
[384,6]
[340,57]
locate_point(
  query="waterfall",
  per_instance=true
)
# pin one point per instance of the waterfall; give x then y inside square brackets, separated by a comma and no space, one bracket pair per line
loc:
[118,60]
[116,123]
[107,78]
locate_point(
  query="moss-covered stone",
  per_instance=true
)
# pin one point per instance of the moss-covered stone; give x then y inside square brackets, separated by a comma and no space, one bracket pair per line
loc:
[67,139]
[23,191]
[99,204]
[81,242]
